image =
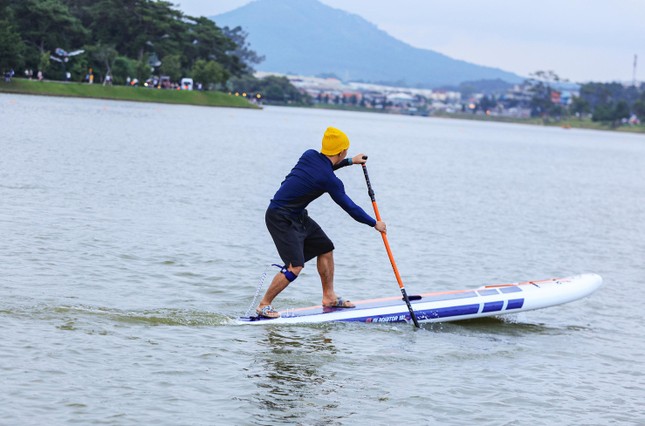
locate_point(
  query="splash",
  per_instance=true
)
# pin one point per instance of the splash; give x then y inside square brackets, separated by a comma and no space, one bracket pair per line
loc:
[78,314]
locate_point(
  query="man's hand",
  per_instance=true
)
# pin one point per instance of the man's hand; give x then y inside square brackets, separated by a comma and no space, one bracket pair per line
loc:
[380,227]
[358,159]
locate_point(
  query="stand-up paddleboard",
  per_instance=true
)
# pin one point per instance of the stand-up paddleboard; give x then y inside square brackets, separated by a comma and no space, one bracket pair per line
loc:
[485,301]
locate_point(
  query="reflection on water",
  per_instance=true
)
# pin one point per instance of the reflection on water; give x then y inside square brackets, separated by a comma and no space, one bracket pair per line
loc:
[504,326]
[292,379]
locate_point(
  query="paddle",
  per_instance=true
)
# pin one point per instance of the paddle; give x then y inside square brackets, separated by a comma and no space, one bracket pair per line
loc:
[370,191]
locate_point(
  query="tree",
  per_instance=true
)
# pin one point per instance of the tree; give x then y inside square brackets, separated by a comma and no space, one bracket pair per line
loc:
[105,56]
[46,25]
[541,86]
[602,113]
[272,89]
[597,94]
[209,72]
[273,92]
[11,46]
[123,68]
[208,42]
[611,113]
[639,107]
[44,62]
[142,69]
[171,66]
[621,111]
[611,102]
[487,103]
[580,106]
[243,48]
[134,29]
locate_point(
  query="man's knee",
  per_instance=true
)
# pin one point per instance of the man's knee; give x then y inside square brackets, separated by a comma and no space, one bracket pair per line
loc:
[327,255]
[296,269]
[291,273]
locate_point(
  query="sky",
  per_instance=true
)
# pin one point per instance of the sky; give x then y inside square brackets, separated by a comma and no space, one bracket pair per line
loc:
[580,40]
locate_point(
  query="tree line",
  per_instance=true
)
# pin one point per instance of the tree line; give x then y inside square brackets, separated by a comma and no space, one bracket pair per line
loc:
[120,38]
[275,89]
[611,103]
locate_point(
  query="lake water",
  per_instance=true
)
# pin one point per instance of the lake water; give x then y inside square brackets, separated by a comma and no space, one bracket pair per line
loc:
[132,235]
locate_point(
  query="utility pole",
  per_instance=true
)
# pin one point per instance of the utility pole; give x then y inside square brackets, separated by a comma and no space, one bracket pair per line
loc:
[634,74]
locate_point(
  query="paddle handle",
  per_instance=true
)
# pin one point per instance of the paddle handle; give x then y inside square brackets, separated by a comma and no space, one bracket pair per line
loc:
[370,191]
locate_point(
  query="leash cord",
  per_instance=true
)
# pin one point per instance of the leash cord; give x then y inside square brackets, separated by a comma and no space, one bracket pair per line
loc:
[257,291]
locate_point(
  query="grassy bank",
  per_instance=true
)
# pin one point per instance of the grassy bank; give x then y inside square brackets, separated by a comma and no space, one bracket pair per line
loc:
[124,93]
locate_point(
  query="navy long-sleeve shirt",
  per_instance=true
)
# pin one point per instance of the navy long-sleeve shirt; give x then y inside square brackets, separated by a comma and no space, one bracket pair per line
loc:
[311,177]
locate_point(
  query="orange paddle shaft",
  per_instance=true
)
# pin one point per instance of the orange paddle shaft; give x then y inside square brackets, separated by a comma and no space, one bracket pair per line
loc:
[387,248]
[370,191]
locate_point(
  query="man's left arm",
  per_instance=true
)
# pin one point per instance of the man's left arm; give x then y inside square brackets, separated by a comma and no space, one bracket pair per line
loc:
[357,159]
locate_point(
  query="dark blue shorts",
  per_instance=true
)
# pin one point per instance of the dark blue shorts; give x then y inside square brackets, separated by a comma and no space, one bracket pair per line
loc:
[298,238]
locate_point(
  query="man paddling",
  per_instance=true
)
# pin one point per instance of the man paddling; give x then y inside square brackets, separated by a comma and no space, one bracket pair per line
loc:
[299,238]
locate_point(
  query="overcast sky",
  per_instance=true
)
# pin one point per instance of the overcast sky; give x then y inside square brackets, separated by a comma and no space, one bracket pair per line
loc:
[581,40]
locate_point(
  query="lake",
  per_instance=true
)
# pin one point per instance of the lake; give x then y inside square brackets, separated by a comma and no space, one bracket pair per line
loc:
[132,236]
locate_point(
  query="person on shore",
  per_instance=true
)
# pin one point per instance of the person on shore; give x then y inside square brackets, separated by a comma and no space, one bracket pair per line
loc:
[297,237]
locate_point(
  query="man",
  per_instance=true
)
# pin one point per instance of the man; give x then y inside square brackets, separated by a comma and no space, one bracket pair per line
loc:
[296,236]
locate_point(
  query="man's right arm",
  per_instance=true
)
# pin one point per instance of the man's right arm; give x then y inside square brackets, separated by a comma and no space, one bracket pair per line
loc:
[337,193]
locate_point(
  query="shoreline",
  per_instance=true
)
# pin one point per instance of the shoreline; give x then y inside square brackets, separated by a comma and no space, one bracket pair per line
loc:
[124,93]
[568,123]
[221,99]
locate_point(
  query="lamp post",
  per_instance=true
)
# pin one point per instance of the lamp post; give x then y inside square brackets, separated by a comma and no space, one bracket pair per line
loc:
[154,60]
[63,56]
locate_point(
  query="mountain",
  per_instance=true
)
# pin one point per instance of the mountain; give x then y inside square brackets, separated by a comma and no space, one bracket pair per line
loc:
[309,38]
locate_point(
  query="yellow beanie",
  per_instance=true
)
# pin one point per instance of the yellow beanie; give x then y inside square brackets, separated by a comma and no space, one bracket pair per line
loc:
[334,141]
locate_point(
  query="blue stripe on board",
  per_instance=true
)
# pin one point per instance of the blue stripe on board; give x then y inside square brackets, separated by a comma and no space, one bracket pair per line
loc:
[452,311]
[488,292]
[493,306]
[512,289]
[515,304]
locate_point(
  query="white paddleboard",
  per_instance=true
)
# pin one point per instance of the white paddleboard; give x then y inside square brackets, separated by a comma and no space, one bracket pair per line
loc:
[485,301]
